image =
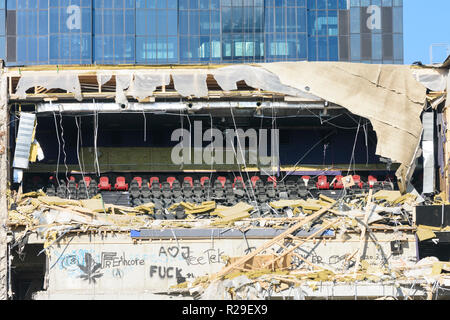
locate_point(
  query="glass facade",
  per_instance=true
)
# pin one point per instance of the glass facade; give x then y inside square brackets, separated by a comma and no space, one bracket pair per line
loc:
[199,31]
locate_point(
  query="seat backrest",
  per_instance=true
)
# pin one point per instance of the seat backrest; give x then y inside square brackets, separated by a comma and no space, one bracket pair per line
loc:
[305,179]
[187,185]
[104,181]
[165,185]
[222,180]
[170,180]
[338,184]
[372,180]
[139,180]
[87,180]
[190,180]
[322,182]
[203,180]
[254,179]
[154,179]
[272,179]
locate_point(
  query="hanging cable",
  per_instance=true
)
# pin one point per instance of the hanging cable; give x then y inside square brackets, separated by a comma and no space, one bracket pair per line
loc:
[366,142]
[305,155]
[96,163]
[243,158]
[78,154]
[63,144]
[352,159]
[145,125]
[212,156]
[59,149]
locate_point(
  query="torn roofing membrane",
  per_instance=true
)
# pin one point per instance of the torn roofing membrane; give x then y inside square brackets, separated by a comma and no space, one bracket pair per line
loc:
[387,95]
[64,80]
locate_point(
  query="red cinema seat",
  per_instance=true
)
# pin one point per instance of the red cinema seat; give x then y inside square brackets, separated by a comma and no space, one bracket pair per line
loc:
[338,183]
[222,181]
[87,180]
[203,180]
[254,179]
[72,178]
[190,180]
[357,180]
[372,180]
[238,179]
[156,179]
[139,180]
[322,183]
[104,184]
[170,180]
[272,179]
[121,185]
[306,179]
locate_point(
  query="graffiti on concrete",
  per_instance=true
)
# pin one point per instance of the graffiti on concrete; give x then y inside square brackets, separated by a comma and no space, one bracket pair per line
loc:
[70,262]
[117,273]
[164,262]
[91,269]
[175,251]
[112,260]
[169,273]
[209,256]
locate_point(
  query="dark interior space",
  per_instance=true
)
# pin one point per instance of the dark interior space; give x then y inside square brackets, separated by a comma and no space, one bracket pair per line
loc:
[27,271]
[315,140]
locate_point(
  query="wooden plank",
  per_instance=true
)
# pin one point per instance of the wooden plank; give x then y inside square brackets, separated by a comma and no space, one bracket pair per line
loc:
[270,243]
[290,250]
[362,240]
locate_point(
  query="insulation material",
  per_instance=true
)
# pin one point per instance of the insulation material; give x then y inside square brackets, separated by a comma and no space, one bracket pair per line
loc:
[103,78]
[257,78]
[143,85]
[436,80]
[24,139]
[447,103]
[428,152]
[433,79]
[65,81]
[387,95]
[18,175]
[192,84]
[122,83]
[4,165]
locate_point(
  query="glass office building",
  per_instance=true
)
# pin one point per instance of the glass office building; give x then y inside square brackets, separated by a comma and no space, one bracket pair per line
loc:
[199,31]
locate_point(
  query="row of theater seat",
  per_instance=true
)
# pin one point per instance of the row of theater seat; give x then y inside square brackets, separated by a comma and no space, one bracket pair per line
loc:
[223,190]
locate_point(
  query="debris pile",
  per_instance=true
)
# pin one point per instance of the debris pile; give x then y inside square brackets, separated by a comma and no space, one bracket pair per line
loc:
[270,268]
[275,266]
[428,275]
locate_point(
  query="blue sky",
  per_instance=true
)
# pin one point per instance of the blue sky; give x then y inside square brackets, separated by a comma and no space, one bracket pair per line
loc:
[425,22]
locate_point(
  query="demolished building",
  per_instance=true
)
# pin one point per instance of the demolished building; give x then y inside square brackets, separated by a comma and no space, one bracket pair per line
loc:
[303,180]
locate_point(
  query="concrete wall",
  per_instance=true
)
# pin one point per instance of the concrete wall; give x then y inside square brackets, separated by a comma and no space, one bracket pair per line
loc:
[3,186]
[94,268]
